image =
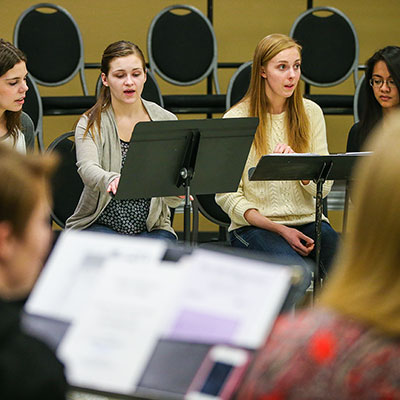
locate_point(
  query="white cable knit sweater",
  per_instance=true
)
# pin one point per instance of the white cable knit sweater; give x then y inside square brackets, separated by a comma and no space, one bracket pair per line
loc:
[285,202]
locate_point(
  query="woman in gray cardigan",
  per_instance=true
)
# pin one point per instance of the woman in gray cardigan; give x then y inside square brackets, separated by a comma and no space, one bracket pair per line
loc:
[102,139]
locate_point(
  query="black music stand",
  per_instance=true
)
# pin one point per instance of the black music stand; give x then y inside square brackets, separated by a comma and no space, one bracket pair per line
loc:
[202,156]
[279,167]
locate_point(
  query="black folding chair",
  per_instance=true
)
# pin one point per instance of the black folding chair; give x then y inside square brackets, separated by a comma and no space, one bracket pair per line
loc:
[66,183]
[51,39]
[182,50]
[329,56]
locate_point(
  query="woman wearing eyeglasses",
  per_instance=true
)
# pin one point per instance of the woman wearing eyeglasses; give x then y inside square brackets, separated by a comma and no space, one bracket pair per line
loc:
[382,94]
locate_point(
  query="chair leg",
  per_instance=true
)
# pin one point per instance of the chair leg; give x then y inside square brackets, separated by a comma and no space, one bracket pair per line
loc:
[223,234]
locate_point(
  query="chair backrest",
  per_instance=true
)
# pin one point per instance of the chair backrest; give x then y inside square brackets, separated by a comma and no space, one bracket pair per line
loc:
[53,44]
[182,47]
[151,90]
[330,46]
[66,183]
[211,210]
[360,97]
[238,84]
[33,107]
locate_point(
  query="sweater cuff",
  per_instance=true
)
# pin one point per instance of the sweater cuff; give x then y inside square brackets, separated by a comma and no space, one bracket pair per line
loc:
[240,210]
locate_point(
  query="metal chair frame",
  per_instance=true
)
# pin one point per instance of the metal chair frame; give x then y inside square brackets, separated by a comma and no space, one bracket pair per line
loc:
[233,81]
[356,102]
[213,65]
[36,119]
[354,67]
[79,67]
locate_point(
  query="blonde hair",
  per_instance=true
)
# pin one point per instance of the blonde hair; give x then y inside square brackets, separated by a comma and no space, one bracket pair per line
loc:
[296,120]
[365,282]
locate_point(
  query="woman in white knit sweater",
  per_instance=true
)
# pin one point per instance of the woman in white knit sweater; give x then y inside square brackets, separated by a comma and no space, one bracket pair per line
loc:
[277,217]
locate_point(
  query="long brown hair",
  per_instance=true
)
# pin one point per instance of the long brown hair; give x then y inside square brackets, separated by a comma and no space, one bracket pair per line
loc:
[365,282]
[9,56]
[118,49]
[297,124]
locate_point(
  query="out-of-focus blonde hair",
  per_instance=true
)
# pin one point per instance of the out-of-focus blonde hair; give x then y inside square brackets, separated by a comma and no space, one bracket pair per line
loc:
[365,283]
[297,124]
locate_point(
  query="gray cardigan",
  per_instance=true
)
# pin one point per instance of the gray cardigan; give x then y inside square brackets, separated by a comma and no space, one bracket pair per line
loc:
[28,130]
[99,163]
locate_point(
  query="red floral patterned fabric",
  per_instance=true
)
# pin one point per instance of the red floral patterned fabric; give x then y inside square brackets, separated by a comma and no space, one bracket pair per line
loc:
[318,354]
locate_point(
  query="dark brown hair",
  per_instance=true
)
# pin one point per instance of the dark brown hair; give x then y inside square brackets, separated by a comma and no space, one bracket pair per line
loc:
[10,56]
[372,112]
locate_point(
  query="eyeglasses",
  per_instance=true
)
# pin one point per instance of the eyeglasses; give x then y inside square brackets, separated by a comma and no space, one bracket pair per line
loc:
[377,83]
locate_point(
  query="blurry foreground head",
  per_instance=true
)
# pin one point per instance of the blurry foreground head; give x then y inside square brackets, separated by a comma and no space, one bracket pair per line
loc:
[25,230]
[366,281]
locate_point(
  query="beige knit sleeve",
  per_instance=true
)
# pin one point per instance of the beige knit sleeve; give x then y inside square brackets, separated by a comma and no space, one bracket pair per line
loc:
[235,205]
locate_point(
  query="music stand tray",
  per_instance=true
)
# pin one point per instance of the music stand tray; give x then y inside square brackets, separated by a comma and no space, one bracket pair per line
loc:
[172,158]
[279,167]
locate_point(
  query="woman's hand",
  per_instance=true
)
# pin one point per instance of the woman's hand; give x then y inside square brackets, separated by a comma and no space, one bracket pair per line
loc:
[283,149]
[298,241]
[184,197]
[113,186]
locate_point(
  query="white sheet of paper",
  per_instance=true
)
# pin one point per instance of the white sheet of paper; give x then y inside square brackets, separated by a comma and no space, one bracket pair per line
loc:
[109,344]
[74,266]
[228,299]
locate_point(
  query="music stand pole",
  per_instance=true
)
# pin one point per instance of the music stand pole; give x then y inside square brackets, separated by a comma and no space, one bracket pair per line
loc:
[326,168]
[167,158]
[187,176]
[307,167]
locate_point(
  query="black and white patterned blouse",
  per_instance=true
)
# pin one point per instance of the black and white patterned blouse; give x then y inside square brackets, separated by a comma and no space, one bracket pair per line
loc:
[125,216]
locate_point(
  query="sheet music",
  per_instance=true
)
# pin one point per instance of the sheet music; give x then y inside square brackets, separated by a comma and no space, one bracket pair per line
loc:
[75,265]
[110,342]
[227,299]
[119,299]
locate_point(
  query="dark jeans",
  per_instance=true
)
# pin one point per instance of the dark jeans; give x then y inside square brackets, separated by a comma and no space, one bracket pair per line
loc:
[156,234]
[277,247]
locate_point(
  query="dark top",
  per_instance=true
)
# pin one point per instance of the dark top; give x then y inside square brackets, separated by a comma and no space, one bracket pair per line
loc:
[356,139]
[126,216]
[28,368]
